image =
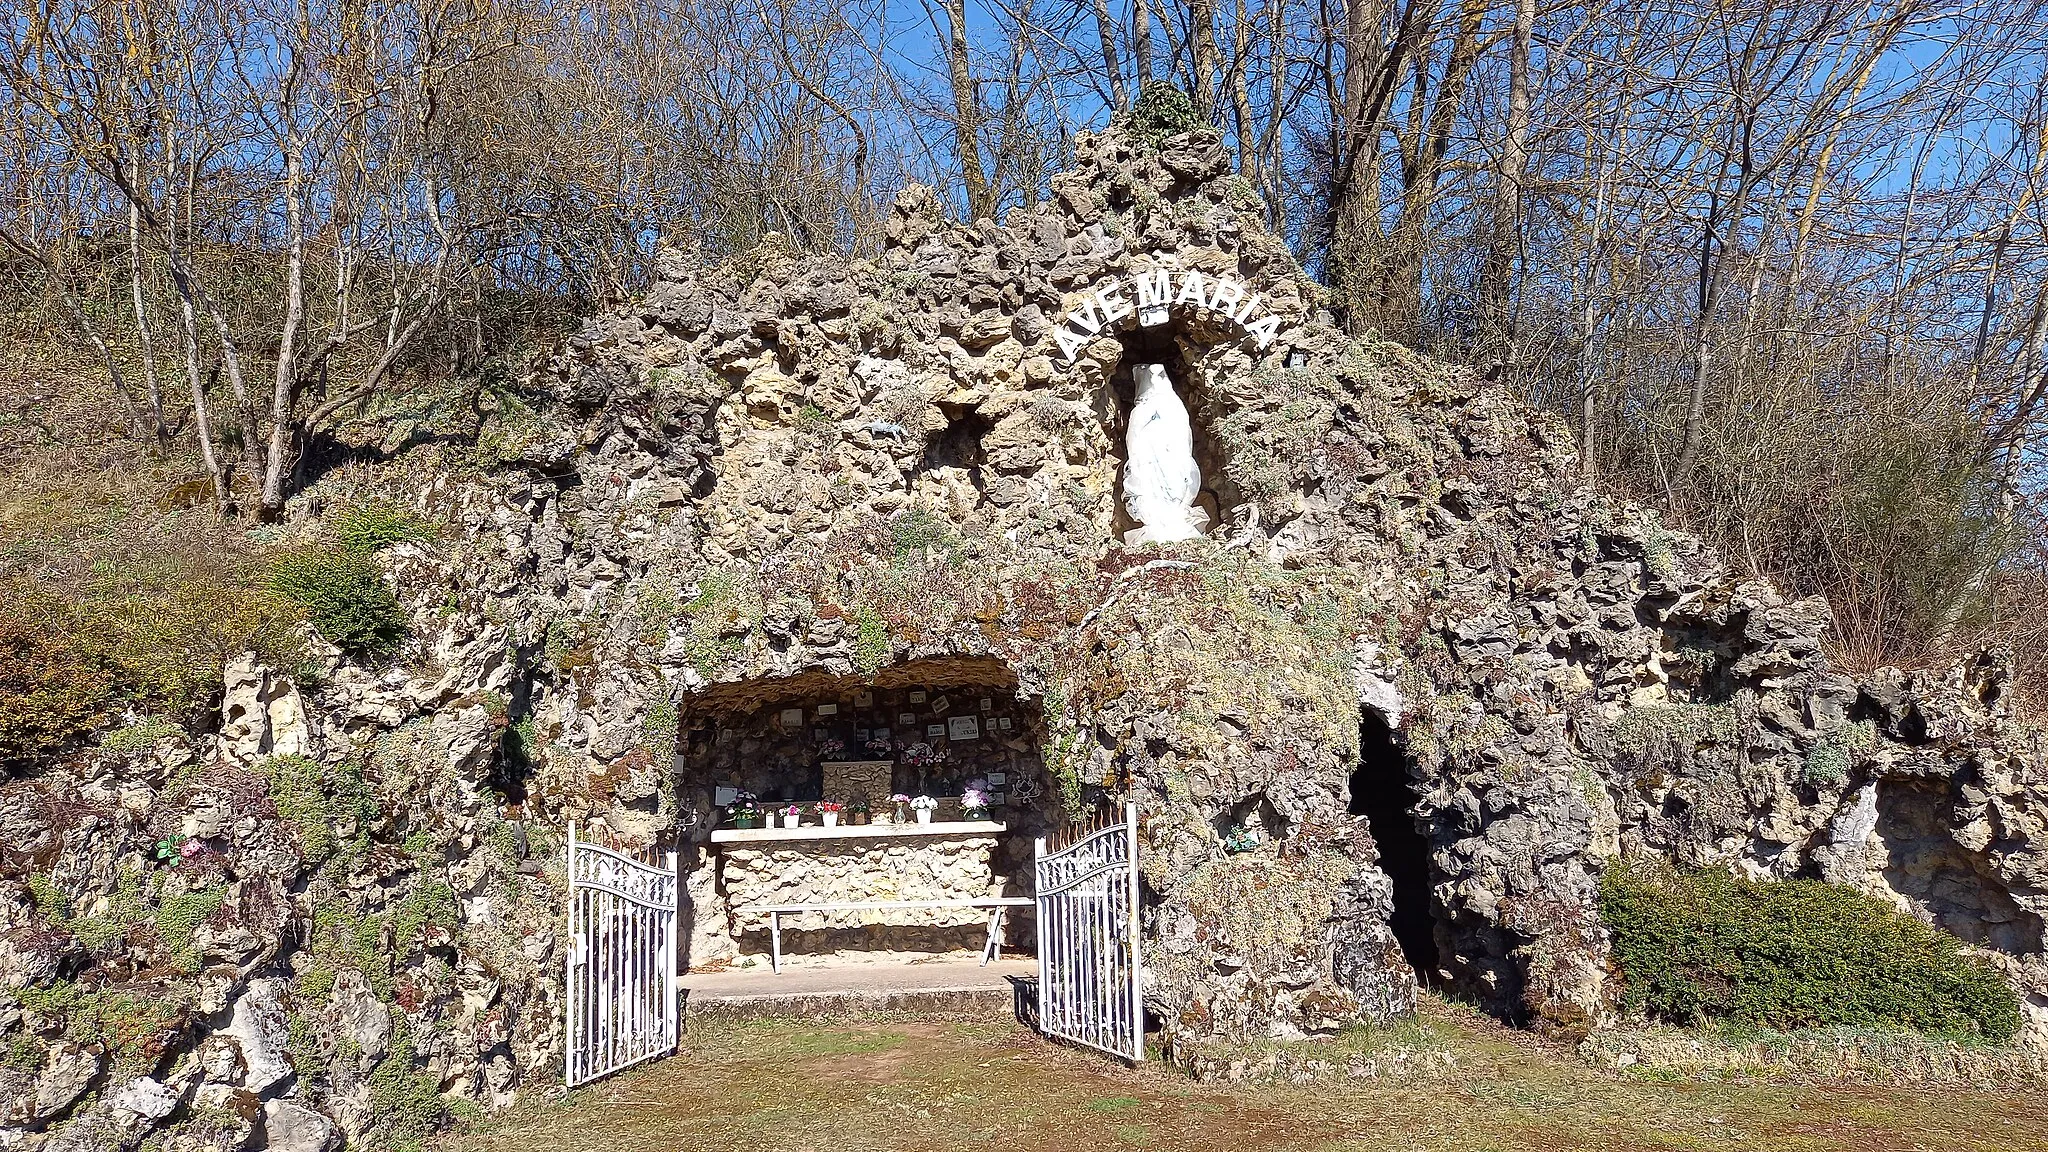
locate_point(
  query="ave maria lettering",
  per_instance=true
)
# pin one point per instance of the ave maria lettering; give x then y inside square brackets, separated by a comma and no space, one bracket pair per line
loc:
[1152,297]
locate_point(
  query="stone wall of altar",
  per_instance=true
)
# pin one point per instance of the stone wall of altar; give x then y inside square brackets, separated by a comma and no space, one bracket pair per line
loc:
[777,749]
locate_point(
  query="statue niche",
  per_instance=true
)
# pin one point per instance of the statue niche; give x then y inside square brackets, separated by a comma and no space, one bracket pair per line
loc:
[1161,479]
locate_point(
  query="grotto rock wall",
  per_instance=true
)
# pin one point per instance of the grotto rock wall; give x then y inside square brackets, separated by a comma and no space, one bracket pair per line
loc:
[340,915]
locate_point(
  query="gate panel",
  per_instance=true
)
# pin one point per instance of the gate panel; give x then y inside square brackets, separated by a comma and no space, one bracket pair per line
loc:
[1089,968]
[621,958]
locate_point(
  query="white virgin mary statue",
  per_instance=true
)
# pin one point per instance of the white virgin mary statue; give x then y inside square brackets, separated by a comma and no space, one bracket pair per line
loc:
[1161,480]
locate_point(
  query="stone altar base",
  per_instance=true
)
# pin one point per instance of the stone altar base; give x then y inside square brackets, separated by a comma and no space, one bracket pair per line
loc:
[847,871]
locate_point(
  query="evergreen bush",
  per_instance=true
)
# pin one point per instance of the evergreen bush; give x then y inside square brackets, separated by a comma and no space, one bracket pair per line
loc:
[1708,946]
[344,597]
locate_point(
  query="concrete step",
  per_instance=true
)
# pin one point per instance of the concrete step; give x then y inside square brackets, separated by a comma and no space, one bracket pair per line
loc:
[944,989]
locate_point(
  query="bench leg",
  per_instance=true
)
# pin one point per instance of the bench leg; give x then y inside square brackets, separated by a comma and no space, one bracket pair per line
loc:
[775,942]
[993,949]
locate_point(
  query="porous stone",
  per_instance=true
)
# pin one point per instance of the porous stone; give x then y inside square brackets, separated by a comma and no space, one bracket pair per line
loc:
[288,1127]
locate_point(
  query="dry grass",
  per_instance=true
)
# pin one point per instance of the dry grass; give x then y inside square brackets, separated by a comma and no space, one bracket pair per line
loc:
[923,1086]
[120,587]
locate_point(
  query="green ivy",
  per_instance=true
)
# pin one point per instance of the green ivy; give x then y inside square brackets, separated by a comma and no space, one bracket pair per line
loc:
[1161,111]
[1708,946]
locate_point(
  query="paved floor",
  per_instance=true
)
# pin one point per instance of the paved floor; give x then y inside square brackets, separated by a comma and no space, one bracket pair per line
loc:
[860,980]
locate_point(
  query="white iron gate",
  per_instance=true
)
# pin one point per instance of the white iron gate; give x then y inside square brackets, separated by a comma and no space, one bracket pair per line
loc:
[621,959]
[1088,964]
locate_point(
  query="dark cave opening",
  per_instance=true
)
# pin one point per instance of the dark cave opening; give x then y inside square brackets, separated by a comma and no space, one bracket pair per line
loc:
[1381,793]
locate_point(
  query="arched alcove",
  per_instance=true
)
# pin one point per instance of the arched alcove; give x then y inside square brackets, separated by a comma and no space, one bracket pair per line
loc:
[932,727]
[1190,353]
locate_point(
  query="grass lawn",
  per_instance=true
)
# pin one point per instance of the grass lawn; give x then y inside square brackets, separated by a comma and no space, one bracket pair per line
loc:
[792,1086]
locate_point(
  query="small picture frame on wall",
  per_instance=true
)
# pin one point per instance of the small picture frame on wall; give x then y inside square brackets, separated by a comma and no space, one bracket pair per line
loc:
[932,731]
[998,779]
[828,709]
[965,727]
[907,719]
[987,705]
[1003,722]
[941,705]
[817,733]
[878,734]
[918,697]
[792,717]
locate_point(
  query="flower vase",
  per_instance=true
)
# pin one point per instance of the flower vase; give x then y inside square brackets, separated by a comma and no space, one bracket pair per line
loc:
[924,815]
[831,819]
[792,821]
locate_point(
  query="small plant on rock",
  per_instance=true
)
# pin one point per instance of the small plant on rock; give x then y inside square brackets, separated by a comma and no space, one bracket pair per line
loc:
[373,525]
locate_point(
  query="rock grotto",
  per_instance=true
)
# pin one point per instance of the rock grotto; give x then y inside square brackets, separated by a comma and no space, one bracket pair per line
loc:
[1424,682]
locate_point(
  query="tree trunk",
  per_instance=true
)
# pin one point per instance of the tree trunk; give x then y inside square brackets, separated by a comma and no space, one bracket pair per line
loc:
[966,112]
[284,392]
[1202,34]
[1399,294]
[1105,27]
[152,385]
[1141,41]
[1497,271]
[1354,238]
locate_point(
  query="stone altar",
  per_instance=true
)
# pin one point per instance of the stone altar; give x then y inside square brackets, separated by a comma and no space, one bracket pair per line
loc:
[940,861]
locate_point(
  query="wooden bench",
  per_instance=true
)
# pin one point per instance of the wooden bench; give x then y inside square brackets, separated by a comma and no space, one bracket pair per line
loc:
[991,950]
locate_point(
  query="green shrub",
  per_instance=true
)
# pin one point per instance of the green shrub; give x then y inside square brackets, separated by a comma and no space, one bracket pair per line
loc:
[871,642]
[179,915]
[52,691]
[50,898]
[343,595]
[139,738]
[1707,946]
